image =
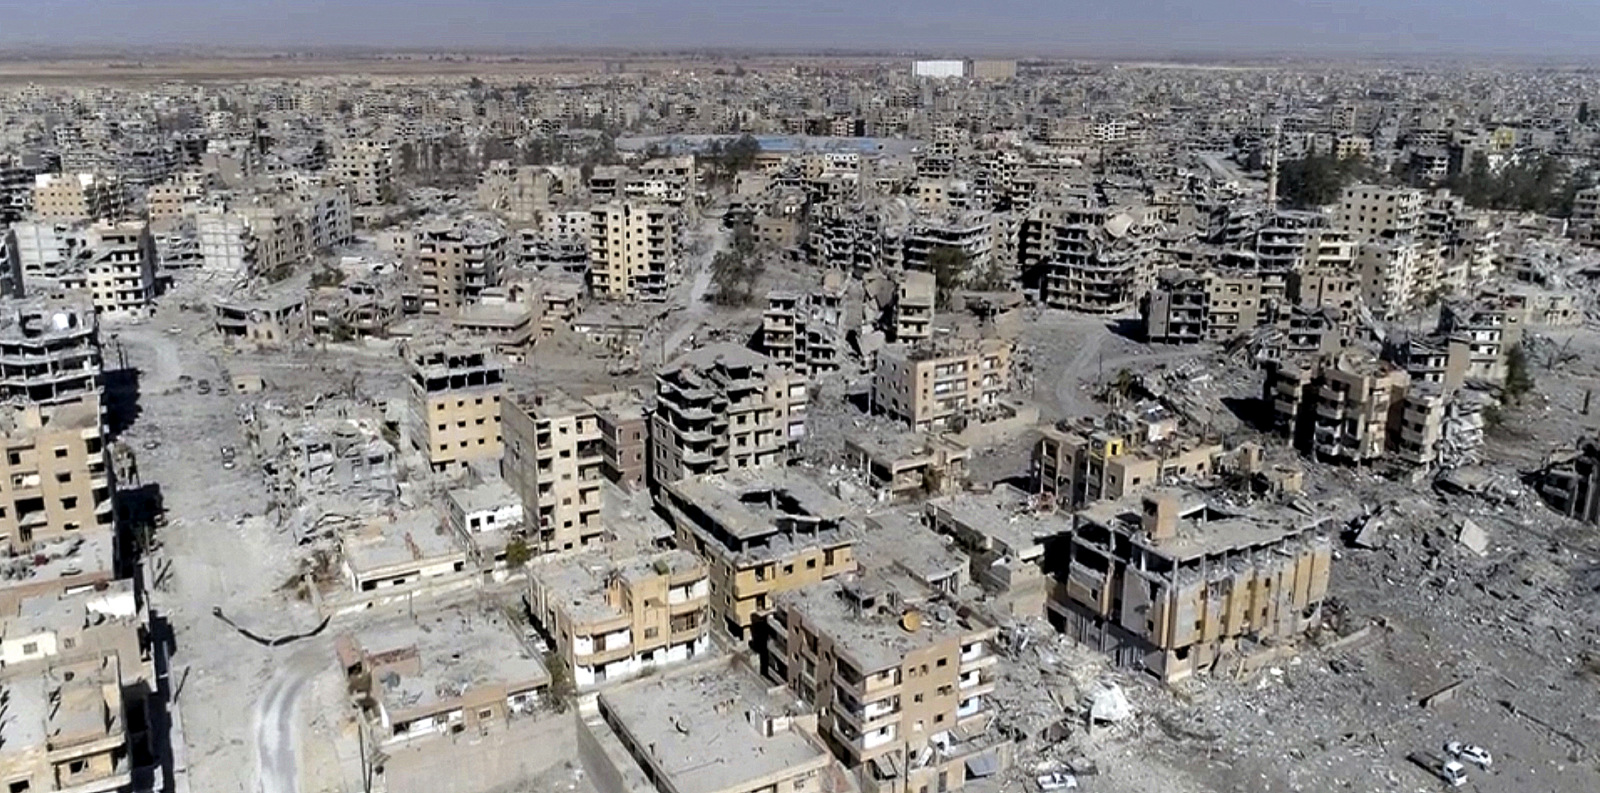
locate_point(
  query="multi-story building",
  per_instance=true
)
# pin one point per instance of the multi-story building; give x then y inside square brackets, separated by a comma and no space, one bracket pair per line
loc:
[712,727]
[931,387]
[1170,585]
[454,409]
[456,262]
[1375,212]
[56,479]
[226,247]
[1490,331]
[49,350]
[365,168]
[900,677]
[1339,407]
[723,408]
[914,301]
[611,621]
[554,459]
[116,268]
[624,437]
[1185,307]
[762,533]
[1393,274]
[1077,466]
[519,193]
[1101,260]
[78,197]
[632,251]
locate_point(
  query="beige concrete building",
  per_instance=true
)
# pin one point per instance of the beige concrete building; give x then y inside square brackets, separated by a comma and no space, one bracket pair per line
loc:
[78,197]
[762,533]
[457,262]
[723,408]
[454,407]
[624,437]
[1339,407]
[1489,329]
[712,727]
[1393,275]
[632,251]
[1170,585]
[554,459]
[116,268]
[459,677]
[364,167]
[1078,466]
[900,679]
[1373,212]
[905,467]
[612,621]
[67,729]
[913,307]
[55,480]
[935,387]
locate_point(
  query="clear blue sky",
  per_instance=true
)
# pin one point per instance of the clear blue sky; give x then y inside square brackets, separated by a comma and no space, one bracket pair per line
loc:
[1065,27]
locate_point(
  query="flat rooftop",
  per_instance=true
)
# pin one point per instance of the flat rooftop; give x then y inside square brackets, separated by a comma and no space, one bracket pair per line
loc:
[1203,529]
[1004,515]
[580,581]
[863,616]
[458,649]
[701,728]
[747,503]
[407,537]
[899,539]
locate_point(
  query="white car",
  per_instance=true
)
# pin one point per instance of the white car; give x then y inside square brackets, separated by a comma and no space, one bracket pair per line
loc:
[1476,755]
[1453,773]
[1057,781]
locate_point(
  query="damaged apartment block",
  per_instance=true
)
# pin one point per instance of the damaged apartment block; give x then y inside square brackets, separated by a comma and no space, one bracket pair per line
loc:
[1171,585]
[900,676]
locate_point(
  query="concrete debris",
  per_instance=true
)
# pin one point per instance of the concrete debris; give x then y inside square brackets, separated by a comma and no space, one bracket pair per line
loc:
[1473,537]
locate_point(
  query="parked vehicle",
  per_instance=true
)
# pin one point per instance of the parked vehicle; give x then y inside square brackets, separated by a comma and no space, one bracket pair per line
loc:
[1452,772]
[1059,780]
[1470,753]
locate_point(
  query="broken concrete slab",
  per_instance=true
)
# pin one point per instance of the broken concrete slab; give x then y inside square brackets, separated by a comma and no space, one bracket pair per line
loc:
[1474,537]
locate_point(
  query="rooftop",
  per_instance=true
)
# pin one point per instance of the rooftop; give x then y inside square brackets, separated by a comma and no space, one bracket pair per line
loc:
[456,649]
[703,728]
[865,617]
[1202,528]
[1005,515]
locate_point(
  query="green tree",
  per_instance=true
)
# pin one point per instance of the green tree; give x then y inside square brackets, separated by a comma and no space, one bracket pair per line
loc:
[949,267]
[1519,380]
[517,552]
[1317,179]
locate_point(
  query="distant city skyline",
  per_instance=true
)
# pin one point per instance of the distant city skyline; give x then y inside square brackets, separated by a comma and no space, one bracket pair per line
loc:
[1132,28]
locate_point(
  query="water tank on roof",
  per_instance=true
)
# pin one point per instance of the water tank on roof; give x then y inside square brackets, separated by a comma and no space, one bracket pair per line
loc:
[61,320]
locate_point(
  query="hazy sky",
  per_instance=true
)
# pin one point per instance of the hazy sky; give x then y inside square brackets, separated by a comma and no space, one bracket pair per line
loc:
[1102,27]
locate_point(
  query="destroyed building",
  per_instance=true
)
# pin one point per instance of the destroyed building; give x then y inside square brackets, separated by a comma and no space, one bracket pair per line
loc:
[1171,585]
[723,408]
[612,621]
[49,350]
[1338,407]
[1570,481]
[1078,463]
[1005,536]
[763,532]
[907,466]
[336,452]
